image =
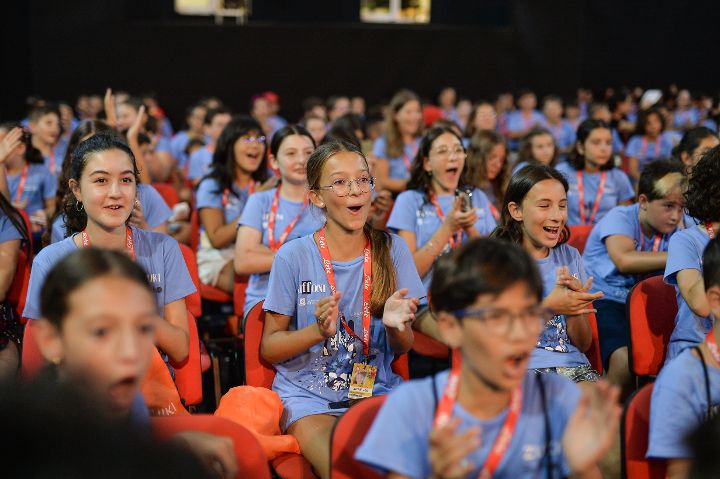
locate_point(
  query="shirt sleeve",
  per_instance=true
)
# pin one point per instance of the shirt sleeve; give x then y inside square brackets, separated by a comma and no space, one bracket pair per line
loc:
[8,232]
[196,168]
[207,195]
[404,213]
[252,214]
[282,286]
[379,148]
[633,147]
[671,419]
[625,189]
[682,254]
[178,283]
[486,224]
[407,275]
[617,222]
[156,210]
[38,273]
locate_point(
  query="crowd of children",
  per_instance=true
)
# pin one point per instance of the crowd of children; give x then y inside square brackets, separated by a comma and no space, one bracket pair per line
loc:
[353,223]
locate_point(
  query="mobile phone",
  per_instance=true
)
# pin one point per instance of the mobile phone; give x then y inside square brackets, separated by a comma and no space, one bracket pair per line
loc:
[466,198]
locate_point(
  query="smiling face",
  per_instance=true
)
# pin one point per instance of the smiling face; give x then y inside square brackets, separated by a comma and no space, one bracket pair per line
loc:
[497,359]
[126,116]
[249,154]
[350,211]
[46,128]
[107,188]
[542,148]
[409,118]
[107,339]
[292,159]
[495,161]
[445,162]
[543,214]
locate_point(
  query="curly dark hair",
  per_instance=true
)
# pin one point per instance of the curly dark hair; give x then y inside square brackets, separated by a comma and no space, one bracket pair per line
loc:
[702,198]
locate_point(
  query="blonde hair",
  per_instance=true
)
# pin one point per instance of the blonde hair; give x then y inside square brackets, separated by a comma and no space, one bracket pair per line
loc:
[394,145]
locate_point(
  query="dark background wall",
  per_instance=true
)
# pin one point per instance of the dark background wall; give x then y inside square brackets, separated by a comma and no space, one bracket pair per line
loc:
[318,47]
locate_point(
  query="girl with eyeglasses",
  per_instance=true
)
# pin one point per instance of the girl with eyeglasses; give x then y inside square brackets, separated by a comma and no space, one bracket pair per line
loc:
[273,217]
[339,305]
[534,216]
[237,171]
[437,212]
[488,416]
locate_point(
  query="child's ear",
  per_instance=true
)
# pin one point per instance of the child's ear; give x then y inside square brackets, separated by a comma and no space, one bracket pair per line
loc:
[713,297]
[643,201]
[515,211]
[75,188]
[48,339]
[273,162]
[316,199]
[426,164]
[450,329]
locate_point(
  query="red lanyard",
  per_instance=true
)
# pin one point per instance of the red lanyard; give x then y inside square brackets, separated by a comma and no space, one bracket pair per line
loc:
[21,185]
[656,241]
[226,193]
[367,287]
[271,222]
[598,197]
[456,238]
[406,159]
[710,230]
[128,241]
[504,437]
[712,346]
[656,148]
[52,161]
[494,211]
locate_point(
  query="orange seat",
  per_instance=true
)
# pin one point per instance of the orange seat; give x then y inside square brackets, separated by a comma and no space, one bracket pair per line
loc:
[32,359]
[241,284]
[593,354]
[194,230]
[250,456]
[188,374]
[28,228]
[578,236]
[427,346]
[347,435]
[635,426]
[193,301]
[168,192]
[17,294]
[651,309]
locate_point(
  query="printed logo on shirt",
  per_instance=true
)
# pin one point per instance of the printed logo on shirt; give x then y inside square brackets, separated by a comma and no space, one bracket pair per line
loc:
[308,287]
[155,278]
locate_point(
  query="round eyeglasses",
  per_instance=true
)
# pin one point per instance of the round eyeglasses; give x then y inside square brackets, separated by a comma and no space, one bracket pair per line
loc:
[343,187]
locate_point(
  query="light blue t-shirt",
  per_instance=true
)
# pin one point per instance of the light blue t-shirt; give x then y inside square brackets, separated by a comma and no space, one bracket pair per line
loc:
[256,214]
[621,220]
[155,209]
[40,185]
[398,439]
[200,162]
[682,117]
[54,161]
[679,405]
[413,212]
[398,167]
[308,382]
[647,151]
[210,195]
[8,232]
[563,133]
[158,254]
[178,143]
[617,188]
[517,122]
[685,252]
[554,348]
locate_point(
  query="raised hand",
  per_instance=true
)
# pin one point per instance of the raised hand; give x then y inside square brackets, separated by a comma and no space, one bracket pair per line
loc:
[137,125]
[399,310]
[8,144]
[592,427]
[109,104]
[326,314]
[137,218]
[448,450]
[565,300]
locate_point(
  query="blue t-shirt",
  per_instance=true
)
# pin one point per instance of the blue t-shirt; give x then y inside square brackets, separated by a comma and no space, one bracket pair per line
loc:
[617,188]
[685,252]
[398,167]
[621,220]
[40,185]
[647,151]
[679,405]
[309,381]
[413,212]
[158,254]
[398,439]
[210,195]
[200,162]
[178,143]
[256,214]
[54,161]
[563,133]
[8,232]
[155,209]
[554,338]
[517,122]
[682,117]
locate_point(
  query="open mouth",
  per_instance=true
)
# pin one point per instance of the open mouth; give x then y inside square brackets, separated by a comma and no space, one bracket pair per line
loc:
[355,209]
[114,207]
[124,388]
[515,365]
[552,230]
[452,171]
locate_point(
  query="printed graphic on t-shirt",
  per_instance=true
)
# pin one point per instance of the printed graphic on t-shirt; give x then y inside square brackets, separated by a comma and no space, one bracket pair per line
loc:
[554,337]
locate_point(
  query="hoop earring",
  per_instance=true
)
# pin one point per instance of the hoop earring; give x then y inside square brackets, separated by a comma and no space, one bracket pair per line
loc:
[79,206]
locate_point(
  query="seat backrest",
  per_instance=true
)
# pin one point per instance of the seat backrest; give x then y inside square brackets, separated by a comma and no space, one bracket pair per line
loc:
[347,435]
[188,374]
[194,230]
[168,192]
[651,309]
[241,284]
[17,294]
[578,236]
[635,426]
[593,354]
[258,372]
[192,301]
[251,459]
[32,359]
